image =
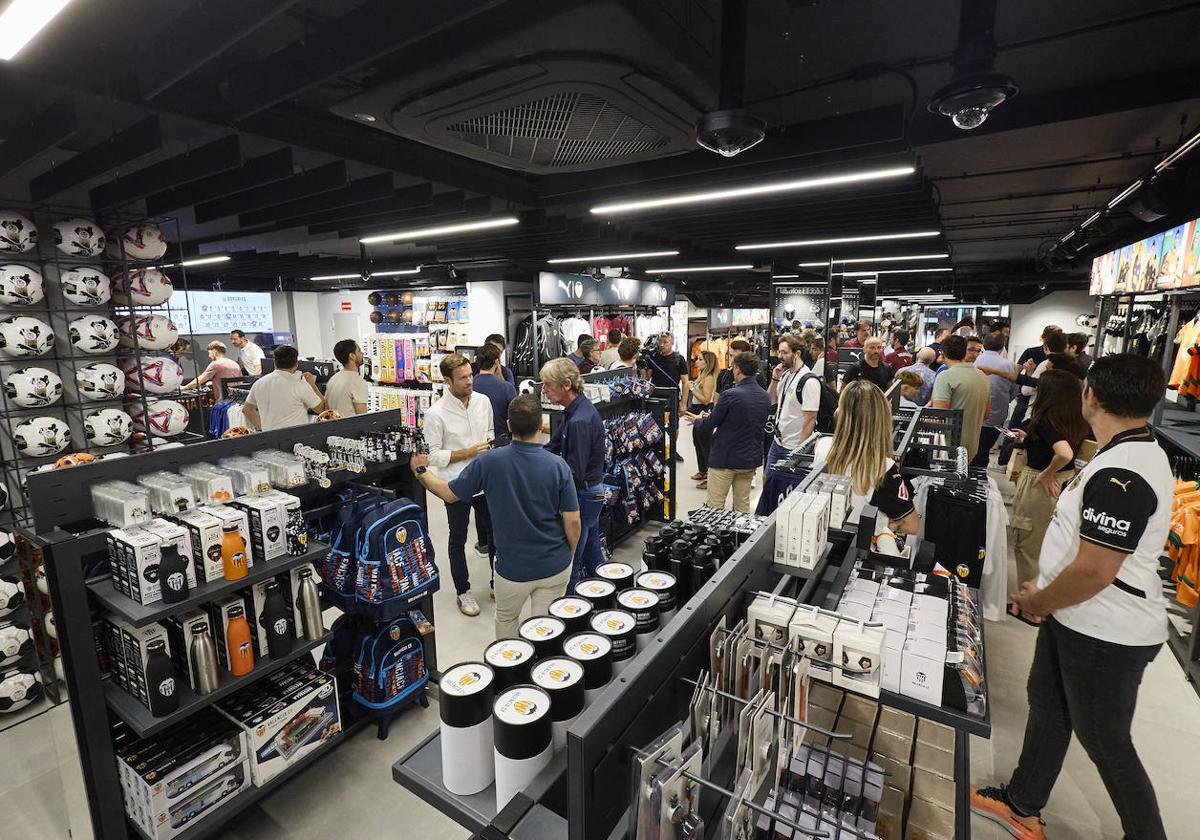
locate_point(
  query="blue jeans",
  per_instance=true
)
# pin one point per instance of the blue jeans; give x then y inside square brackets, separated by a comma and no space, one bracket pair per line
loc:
[588,556]
[776,453]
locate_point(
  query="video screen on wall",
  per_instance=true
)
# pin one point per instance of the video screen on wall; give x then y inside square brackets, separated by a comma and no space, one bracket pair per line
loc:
[1167,260]
[204,313]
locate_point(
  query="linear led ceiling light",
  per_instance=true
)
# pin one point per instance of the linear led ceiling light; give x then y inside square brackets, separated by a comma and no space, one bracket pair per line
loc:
[441,230]
[642,255]
[805,243]
[759,189]
[890,271]
[338,277]
[396,273]
[699,268]
[22,20]
[877,259]
[199,261]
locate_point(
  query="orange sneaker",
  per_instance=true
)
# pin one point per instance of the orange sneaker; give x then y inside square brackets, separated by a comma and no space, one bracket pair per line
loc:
[991,803]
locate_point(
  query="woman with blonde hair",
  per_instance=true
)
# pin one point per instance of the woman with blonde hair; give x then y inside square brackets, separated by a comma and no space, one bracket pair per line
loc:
[861,447]
[702,394]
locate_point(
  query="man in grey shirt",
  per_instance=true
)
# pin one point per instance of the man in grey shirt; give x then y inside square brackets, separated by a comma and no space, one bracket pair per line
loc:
[1002,392]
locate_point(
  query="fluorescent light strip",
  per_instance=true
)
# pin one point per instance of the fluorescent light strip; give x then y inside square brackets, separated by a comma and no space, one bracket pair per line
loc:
[1128,191]
[642,255]
[785,277]
[402,271]
[840,241]
[890,271]
[876,259]
[1091,220]
[338,277]
[699,268]
[200,261]
[1179,152]
[443,230]
[22,20]
[760,189]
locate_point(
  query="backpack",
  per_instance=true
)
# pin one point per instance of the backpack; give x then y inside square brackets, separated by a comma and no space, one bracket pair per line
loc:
[390,666]
[393,560]
[827,412]
[337,567]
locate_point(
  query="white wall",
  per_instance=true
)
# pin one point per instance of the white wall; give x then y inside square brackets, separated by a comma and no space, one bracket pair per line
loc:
[306,324]
[486,302]
[1060,308]
[333,323]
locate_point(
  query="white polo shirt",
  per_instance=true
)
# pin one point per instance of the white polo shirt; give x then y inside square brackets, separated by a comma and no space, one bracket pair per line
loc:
[789,417]
[251,358]
[283,399]
[1120,500]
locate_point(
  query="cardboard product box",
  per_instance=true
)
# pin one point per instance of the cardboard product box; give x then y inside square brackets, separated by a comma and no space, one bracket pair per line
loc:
[822,717]
[895,746]
[922,668]
[120,503]
[165,529]
[926,629]
[894,720]
[860,709]
[268,524]
[860,733]
[127,647]
[210,486]
[231,515]
[825,697]
[933,760]
[768,617]
[927,821]
[137,555]
[890,823]
[205,535]
[933,788]
[783,514]
[168,492]
[180,632]
[859,647]
[899,773]
[218,615]
[936,734]
[816,530]
[283,727]
[848,750]
[199,802]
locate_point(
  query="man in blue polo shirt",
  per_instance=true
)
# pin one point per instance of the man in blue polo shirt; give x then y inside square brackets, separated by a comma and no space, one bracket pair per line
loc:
[531,491]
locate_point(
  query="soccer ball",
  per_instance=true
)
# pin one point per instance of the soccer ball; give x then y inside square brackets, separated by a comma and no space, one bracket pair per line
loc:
[12,595]
[8,546]
[160,417]
[3,506]
[79,238]
[86,286]
[159,375]
[51,627]
[18,688]
[527,386]
[42,436]
[107,427]
[149,332]
[94,334]
[24,337]
[16,640]
[21,285]
[148,287]
[99,381]
[17,233]
[138,242]
[33,387]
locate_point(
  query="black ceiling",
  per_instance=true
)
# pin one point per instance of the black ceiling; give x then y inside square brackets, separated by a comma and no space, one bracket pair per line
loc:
[233,117]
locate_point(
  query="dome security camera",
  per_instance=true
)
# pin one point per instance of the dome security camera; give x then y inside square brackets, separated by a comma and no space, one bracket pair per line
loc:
[729,132]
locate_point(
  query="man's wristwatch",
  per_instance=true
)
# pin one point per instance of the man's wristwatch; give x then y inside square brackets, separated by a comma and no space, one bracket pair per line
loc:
[421,470]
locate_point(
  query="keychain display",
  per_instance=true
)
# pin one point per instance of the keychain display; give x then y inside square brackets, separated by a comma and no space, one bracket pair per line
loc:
[316,463]
[346,454]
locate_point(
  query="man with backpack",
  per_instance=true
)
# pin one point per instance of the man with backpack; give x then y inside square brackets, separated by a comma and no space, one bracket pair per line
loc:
[796,393]
[531,491]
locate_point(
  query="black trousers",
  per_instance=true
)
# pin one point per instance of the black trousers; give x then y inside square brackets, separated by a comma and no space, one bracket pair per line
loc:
[458,516]
[1087,686]
[701,439]
[987,439]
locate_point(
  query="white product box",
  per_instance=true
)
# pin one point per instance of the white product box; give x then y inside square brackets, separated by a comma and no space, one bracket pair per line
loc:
[205,533]
[120,503]
[858,646]
[859,584]
[816,530]
[165,529]
[230,515]
[897,624]
[130,552]
[198,802]
[268,524]
[857,596]
[898,609]
[893,647]
[796,525]
[168,492]
[815,631]
[933,631]
[211,487]
[930,608]
[783,515]
[922,670]
[767,618]
[900,596]
[128,649]
[855,612]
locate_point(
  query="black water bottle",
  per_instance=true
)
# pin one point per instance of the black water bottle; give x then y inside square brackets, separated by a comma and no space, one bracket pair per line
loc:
[680,565]
[172,573]
[278,621]
[704,566]
[162,680]
[714,544]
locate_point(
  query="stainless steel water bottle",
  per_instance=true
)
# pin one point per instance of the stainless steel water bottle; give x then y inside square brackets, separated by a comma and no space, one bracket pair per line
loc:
[203,652]
[310,606]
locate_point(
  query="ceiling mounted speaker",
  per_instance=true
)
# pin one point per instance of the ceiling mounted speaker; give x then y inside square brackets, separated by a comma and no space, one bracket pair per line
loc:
[1149,204]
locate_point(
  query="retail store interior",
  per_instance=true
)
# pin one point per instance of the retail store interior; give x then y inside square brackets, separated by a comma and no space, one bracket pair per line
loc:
[599,419]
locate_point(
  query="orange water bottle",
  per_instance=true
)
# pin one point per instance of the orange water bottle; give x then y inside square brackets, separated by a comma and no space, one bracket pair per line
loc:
[237,637]
[233,553]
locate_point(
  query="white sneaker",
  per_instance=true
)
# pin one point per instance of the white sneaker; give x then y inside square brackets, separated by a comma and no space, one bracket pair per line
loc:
[467,605]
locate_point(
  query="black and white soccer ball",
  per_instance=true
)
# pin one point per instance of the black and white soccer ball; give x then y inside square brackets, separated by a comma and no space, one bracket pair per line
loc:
[33,387]
[16,641]
[51,627]
[86,285]
[149,332]
[100,381]
[138,242]
[3,507]
[107,427]
[24,337]
[39,437]
[17,233]
[8,545]
[94,334]
[18,688]
[12,595]
[146,287]
[79,238]
[21,285]
[155,374]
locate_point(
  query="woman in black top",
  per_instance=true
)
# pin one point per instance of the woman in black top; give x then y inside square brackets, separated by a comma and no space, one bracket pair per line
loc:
[1051,438]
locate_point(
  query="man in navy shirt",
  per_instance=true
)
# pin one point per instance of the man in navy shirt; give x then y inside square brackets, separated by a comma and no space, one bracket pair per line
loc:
[532,493]
[500,344]
[737,422]
[500,393]
[580,440]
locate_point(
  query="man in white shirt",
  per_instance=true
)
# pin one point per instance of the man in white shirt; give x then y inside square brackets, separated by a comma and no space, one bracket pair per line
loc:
[346,391]
[1099,600]
[458,427]
[283,397]
[250,355]
[795,405]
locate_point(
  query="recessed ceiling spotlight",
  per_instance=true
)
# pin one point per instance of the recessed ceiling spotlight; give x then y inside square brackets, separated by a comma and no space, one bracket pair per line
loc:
[367,118]
[415,234]
[637,256]
[805,243]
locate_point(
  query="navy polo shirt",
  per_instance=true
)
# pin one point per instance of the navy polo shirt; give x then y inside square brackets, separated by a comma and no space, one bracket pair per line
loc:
[500,394]
[737,422]
[527,489]
[579,439]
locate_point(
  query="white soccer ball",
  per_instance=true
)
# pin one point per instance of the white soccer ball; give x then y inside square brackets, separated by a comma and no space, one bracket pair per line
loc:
[159,374]
[147,287]
[160,417]
[33,387]
[17,233]
[79,238]
[3,507]
[38,437]
[107,427]
[24,337]
[86,285]
[12,595]
[18,688]
[16,640]
[99,381]
[138,242]
[21,285]
[149,332]
[39,577]
[94,334]
[8,545]
[527,386]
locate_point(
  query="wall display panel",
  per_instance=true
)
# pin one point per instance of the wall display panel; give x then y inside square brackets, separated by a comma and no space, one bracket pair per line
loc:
[556,289]
[800,302]
[1166,260]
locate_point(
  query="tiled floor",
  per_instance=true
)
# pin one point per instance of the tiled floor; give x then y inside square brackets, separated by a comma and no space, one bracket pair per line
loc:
[350,793]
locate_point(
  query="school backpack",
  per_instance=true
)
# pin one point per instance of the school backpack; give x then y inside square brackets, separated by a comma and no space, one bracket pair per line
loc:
[390,666]
[826,414]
